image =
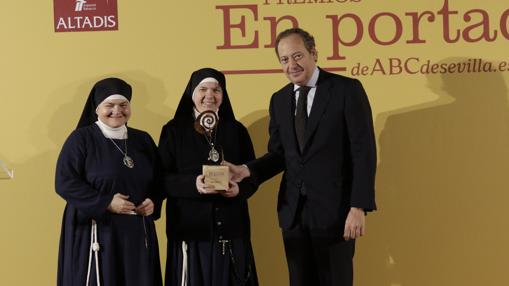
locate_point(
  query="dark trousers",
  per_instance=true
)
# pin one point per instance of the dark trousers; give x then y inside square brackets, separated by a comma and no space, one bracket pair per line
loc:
[317,257]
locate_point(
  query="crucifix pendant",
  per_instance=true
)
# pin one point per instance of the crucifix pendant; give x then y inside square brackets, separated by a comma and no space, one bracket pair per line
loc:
[223,245]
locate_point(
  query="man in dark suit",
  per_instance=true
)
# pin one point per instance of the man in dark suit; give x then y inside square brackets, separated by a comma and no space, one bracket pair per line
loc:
[321,136]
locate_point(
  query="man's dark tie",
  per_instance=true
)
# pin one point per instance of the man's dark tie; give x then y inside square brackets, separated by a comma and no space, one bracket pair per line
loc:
[301,116]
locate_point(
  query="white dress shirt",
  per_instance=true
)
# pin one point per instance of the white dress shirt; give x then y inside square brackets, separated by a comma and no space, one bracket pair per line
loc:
[311,95]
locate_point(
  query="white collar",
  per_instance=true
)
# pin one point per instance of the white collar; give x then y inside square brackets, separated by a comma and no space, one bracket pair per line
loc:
[312,81]
[110,132]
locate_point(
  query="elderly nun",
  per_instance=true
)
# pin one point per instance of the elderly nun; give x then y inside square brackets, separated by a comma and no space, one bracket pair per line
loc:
[107,174]
[208,229]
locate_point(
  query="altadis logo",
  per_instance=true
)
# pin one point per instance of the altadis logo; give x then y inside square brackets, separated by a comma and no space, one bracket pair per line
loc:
[81,5]
[85,15]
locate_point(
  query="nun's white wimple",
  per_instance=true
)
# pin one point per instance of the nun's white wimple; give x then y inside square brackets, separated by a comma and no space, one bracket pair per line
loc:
[115,96]
[207,79]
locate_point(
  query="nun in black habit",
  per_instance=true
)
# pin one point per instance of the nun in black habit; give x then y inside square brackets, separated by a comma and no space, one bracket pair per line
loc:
[208,230]
[107,174]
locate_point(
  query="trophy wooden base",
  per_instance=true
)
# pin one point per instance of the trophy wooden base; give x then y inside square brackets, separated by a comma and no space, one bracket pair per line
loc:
[218,176]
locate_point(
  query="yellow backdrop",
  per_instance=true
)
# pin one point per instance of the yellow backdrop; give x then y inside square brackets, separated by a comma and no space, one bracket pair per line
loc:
[435,72]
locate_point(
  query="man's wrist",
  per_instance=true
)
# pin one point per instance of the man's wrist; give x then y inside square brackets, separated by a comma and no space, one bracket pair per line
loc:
[247,171]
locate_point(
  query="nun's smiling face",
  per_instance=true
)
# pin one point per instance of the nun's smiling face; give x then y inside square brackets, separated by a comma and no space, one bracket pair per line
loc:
[207,96]
[114,112]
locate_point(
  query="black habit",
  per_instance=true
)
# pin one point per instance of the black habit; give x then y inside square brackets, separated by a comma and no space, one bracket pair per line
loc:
[202,221]
[89,172]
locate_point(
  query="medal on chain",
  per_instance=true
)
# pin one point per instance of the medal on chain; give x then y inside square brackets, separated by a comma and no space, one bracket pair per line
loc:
[128,161]
[206,124]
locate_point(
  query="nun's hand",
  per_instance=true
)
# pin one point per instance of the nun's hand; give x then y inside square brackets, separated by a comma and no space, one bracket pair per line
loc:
[120,205]
[233,191]
[203,188]
[146,208]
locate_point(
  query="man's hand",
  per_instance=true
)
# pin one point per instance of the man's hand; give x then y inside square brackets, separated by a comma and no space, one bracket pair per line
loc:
[355,225]
[120,205]
[237,172]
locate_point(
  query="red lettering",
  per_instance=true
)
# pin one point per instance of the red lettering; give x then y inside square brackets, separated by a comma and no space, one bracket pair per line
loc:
[372,30]
[335,34]
[395,66]
[355,69]
[274,22]
[445,22]
[487,67]
[451,68]
[484,23]
[267,2]
[407,65]
[378,67]
[321,1]
[416,20]
[435,68]
[364,70]
[228,26]
[503,24]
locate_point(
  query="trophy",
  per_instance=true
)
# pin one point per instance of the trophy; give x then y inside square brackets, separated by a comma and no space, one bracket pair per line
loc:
[216,175]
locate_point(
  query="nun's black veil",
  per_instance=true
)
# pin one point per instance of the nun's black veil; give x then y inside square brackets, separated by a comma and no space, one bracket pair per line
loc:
[186,105]
[101,90]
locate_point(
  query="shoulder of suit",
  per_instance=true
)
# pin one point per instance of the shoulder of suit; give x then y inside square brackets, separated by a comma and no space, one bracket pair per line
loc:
[288,88]
[325,75]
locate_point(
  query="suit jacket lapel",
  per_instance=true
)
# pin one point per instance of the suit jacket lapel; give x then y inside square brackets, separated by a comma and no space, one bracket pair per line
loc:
[322,96]
[288,110]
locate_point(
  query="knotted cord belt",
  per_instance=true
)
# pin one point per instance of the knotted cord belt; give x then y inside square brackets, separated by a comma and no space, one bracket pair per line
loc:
[184,264]
[94,247]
